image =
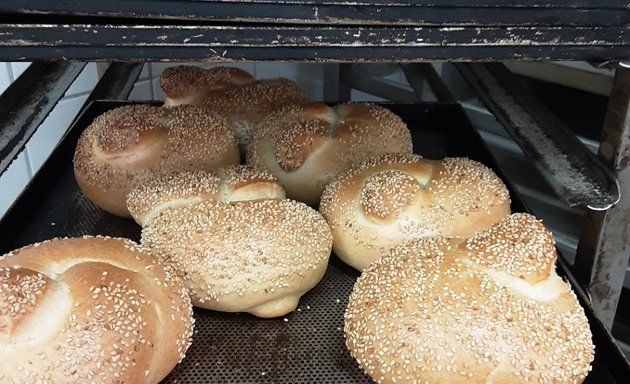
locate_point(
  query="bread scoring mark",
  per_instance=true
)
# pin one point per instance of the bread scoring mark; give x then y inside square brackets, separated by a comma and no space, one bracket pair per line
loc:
[547,290]
[55,270]
[24,297]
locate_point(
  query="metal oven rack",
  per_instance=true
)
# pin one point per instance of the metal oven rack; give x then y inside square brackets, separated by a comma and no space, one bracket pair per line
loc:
[478,34]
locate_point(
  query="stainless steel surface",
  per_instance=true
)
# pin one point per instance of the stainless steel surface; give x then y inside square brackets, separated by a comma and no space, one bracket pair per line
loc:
[575,174]
[604,247]
[27,102]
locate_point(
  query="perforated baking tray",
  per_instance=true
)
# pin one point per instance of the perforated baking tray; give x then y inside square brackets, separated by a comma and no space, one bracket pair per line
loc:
[306,346]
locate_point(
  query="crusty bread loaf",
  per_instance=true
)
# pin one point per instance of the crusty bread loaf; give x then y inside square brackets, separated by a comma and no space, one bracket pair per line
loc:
[240,246]
[185,84]
[128,145]
[92,309]
[392,198]
[306,146]
[244,107]
[489,309]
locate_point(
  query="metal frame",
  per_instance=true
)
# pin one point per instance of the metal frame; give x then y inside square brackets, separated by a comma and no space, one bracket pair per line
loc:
[314,30]
[604,248]
[574,173]
[27,102]
[387,12]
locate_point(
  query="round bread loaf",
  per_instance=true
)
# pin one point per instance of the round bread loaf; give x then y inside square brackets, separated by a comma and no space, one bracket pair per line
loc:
[244,107]
[235,183]
[489,309]
[92,309]
[247,256]
[392,198]
[306,146]
[240,246]
[128,145]
[185,84]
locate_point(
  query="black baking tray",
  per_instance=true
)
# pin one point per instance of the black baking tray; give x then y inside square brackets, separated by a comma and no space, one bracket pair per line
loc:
[306,346]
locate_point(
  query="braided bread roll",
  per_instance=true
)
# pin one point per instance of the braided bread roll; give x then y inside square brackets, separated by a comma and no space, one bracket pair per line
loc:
[128,145]
[391,198]
[489,309]
[90,309]
[186,84]
[306,146]
[239,244]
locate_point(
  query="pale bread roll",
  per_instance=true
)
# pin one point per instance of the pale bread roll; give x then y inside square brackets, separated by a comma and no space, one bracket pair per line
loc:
[306,146]
[239,244]
[90,309]
[389,199]
[489,309]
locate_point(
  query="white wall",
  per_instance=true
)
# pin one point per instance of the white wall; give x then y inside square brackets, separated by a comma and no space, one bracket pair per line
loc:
[41,144]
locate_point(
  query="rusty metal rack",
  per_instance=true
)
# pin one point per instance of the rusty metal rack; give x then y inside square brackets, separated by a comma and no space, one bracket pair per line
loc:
[58,36]
[314,30]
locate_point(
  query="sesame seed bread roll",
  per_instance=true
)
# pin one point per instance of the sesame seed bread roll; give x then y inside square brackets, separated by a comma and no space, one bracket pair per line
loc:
[489,309]
[128,145]
[244,107]
[185,84]
[392,198]
[92,309]
[234,183]
[256,256]
[306,146]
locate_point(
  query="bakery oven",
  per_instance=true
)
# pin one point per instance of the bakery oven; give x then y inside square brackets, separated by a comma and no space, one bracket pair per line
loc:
[344,306]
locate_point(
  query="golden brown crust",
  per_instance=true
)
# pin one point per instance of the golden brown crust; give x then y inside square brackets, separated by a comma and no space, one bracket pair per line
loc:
[392,198]
[235,183]
[248,256]
[306,146]
[90,309]
[131,144]
[186,84]
[438,310]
